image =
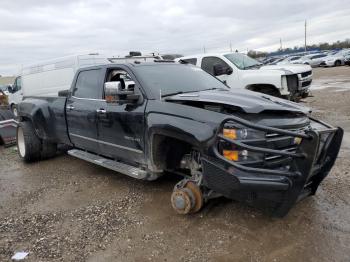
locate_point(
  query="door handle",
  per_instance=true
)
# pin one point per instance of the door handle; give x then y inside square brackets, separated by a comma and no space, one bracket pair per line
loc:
[101,111]
[70,107]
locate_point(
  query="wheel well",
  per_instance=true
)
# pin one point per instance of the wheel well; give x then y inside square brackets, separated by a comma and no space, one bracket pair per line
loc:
[25,118]
[167,152]
[264,88]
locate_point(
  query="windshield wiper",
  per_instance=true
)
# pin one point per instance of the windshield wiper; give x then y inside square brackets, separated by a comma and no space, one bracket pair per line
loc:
[178,93]
[185,92]
[253,66]
[215,88]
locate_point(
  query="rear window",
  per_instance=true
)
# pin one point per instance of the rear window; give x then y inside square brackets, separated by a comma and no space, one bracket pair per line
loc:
[87,85]
[192,61]
[317,56]
[294,58]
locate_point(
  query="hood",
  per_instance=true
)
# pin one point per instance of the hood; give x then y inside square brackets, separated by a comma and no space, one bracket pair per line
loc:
[247,101]
[291,68]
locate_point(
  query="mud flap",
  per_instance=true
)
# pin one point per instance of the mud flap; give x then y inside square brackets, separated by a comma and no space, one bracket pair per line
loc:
[8,128]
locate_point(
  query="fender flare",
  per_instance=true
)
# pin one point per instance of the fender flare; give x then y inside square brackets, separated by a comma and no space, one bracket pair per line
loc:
[38,112]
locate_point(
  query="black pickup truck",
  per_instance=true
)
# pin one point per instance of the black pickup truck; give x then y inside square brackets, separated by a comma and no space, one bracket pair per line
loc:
[145,119]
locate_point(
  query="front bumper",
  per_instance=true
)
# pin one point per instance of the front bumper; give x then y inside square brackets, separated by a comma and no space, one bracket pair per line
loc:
[278,184]
[327,63]
[299,84]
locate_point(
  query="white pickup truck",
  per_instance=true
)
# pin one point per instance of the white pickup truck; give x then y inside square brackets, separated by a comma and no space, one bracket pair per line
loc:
[241,71]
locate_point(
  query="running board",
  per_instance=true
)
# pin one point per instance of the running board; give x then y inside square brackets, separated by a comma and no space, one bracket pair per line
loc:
[110,164]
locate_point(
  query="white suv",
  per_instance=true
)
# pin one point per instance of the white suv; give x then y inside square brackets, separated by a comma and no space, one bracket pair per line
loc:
[241,71]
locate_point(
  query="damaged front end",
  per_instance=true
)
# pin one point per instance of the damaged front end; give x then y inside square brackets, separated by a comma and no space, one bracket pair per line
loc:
[268,167]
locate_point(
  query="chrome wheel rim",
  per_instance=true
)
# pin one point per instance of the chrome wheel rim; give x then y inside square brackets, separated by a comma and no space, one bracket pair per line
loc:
[20,142]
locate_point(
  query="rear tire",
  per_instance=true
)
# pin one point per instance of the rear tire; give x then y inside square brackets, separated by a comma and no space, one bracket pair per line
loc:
[337,63]
[28,143]
[48,150]
[305,95]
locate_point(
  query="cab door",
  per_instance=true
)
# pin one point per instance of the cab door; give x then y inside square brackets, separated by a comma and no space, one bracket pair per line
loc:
[82,110]
[121,124]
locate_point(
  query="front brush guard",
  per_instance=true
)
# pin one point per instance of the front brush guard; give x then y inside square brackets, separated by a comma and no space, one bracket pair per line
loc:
[309,164]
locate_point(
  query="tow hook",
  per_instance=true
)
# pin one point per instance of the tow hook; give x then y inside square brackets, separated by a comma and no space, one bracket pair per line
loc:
[187,197]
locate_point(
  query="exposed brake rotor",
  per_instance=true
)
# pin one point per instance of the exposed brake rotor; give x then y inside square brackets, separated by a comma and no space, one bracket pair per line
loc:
[186,198]
[197,194]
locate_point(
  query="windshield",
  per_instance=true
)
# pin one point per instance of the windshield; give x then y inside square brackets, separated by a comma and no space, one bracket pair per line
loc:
[174,78]
[3,88]
[242,61]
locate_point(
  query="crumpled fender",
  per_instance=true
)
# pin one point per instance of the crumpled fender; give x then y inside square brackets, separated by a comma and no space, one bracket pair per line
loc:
[193,132]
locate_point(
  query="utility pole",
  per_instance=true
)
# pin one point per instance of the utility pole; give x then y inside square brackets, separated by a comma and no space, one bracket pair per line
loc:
[305,35]
[204,49]
[281,44]
[230,47]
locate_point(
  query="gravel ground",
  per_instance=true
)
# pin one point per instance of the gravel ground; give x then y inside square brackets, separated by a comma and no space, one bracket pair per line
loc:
[65,209]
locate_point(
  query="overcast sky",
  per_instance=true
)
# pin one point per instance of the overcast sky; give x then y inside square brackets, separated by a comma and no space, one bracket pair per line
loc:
[33,30]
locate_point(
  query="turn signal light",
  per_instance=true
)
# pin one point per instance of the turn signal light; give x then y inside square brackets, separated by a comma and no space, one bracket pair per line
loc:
[230,133]
[231,155]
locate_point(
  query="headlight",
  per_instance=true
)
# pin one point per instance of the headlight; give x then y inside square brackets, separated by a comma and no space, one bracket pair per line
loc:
[233,152]
[242,133]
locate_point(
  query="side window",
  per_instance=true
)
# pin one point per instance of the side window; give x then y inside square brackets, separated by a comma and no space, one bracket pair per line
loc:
[192,61]
[87,85]
[122,79]
[18,83]
[209,62]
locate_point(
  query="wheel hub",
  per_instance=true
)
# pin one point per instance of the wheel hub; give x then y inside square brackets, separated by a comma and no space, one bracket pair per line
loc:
[181,201]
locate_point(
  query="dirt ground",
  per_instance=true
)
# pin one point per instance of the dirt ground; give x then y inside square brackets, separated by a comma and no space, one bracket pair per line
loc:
[65,209]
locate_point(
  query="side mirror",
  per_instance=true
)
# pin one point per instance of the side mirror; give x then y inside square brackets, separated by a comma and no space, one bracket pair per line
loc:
[229,71]
[114,93]
[9,88]
[218,70]
[63,93]
[14,89]
[221,70]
